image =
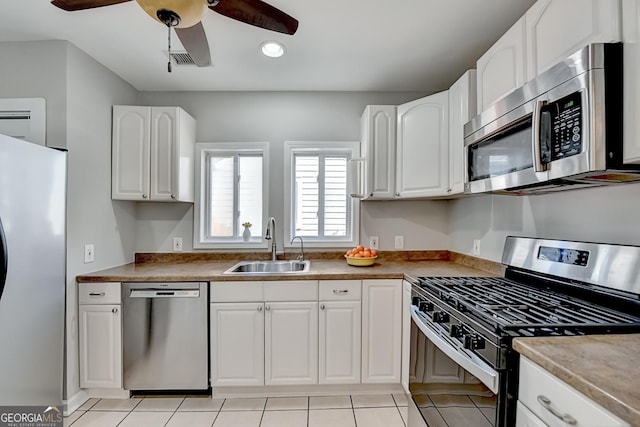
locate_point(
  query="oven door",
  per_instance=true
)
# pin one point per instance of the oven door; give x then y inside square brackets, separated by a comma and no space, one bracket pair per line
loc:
[448,385]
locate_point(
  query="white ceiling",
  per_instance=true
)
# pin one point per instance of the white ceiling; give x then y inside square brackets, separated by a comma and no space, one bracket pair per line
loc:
[340,45]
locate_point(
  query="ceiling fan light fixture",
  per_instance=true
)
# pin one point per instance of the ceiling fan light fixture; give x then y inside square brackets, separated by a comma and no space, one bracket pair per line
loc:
[189,12]
[272,49]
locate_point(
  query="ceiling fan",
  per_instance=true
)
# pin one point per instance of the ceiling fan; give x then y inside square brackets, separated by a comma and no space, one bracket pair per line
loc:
[185,17]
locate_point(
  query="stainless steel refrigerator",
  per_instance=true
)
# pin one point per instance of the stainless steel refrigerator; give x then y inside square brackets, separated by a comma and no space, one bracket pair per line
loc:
[32,273]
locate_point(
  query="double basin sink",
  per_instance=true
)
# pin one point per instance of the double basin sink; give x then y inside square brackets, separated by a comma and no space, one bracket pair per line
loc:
[251,268]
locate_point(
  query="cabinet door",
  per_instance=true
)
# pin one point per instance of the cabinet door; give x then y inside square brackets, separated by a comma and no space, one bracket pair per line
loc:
[339,342]
[378,138]
[164,149]
[130,153]
[462,108]
[631,83]
[502,68]
[237,344]
[556,29]
[100,329]
[381,331]
[422,147]
[525,418]
[291,343]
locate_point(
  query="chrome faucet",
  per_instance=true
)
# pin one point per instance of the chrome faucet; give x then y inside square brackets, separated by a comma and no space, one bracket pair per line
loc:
[271,235]
[301,256]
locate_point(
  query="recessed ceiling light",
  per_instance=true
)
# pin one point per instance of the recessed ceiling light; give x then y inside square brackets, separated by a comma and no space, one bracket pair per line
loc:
[272,49]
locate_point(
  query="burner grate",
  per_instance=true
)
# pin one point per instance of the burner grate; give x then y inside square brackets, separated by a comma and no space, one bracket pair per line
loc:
[511,305]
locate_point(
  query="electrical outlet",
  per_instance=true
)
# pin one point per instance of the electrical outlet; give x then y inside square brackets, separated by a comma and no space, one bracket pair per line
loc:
[476,247]
[399,242]
[373,242]
[177,244]
[89,254]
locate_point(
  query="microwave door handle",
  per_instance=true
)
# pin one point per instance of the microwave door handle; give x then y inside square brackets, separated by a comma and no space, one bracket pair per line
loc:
[536,143]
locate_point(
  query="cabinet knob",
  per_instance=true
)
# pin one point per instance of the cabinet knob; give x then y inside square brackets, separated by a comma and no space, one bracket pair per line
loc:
[259,308]
[144,196]
[322,307]
[397,194]
[114,310]
[173,196]
[266,307]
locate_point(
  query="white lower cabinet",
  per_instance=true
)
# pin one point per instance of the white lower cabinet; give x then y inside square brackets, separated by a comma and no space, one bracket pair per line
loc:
[100,335]
[291,343]
[555,403]
[381,330]
[339,335]
[237,343]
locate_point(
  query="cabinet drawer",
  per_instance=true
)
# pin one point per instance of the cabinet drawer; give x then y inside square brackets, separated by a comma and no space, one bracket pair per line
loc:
[236,291]
[537,383]
[291,290]
[99,293]
[340,290]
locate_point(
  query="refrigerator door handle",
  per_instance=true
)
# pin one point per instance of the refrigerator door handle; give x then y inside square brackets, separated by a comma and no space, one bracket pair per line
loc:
[4,258]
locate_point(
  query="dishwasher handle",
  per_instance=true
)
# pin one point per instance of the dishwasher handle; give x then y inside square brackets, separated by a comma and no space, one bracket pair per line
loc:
[164,293]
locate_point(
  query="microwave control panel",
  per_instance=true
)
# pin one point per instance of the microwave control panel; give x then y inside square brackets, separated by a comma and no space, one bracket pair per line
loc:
[561,128]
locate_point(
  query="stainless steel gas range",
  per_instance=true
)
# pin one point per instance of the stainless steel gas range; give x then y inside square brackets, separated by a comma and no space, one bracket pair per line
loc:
[550,288]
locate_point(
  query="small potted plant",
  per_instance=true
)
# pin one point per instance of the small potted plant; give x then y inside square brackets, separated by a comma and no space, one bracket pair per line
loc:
[246,234]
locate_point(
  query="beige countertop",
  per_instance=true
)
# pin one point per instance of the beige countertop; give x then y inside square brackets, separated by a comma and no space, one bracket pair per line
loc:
[168,268]
[604,368]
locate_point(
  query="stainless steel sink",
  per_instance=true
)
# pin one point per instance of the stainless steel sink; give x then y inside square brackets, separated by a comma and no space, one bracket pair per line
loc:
[269,267]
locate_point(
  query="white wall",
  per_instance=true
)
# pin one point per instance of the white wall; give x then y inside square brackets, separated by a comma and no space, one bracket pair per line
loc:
[92,217]
[277,117]
[79,93]
[605,214]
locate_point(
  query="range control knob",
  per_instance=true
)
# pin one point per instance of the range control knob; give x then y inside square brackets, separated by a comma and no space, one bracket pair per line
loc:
[473,342]
[416,301]
[426,306]
[456,331]
[440,317]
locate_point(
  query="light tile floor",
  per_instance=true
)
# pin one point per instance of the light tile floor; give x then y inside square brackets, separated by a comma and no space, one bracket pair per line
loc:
[383,410]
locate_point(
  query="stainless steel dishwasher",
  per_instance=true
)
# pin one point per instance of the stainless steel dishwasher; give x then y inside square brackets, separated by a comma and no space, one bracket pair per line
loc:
[165,344]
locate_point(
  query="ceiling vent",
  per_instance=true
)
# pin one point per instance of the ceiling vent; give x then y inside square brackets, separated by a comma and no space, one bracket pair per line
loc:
[182,59]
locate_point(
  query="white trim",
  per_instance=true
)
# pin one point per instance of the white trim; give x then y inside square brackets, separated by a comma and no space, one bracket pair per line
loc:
[325,147]
[74,402]
[234,148]
[36,109]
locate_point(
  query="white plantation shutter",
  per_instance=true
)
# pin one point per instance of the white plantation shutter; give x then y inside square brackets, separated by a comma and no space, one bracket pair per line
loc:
[221,179]
[250,194]
[307,191]
[335,196]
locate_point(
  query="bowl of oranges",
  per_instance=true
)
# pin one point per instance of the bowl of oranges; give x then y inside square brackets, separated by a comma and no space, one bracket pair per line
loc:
[361,256]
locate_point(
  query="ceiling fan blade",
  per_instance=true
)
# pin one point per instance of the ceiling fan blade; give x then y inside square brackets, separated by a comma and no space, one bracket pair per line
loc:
[195,42]
[73,5]
[258,13]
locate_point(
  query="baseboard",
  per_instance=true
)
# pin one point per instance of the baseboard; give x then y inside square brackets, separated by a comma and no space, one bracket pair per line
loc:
[74,402]
[305,390]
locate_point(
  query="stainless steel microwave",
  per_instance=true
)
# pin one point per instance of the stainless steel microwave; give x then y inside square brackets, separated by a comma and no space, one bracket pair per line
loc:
[559,131]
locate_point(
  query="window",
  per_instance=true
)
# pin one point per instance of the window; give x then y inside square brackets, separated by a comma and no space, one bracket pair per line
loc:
[231,191]
[318,206]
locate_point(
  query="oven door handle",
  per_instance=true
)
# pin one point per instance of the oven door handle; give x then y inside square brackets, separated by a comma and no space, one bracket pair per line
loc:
[477,368]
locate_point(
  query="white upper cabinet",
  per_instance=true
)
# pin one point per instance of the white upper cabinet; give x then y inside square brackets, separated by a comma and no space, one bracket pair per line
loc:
[462,108]
[152,154]
[631,83]
[378,139]
[423,147]
[557,28]
[502,68]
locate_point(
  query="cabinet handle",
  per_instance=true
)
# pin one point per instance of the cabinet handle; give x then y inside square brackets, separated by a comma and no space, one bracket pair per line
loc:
[144,196]
[266,307]
[340,291]
[322,307]
[114,310]
[565,418]
[173,196]
[259,308]
[96,294]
